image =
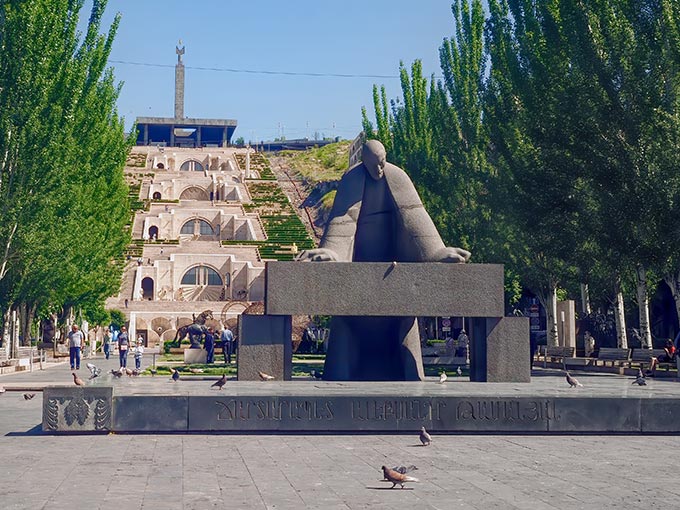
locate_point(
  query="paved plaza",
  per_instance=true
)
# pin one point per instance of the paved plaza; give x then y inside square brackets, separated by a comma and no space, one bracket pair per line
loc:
[198,471]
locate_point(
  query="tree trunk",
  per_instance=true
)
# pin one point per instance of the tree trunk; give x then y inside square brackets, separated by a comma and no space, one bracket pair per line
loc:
[643,306]
[548,299]
[620,316]
[585,299]
[6,330]
[673,282]
[26,315]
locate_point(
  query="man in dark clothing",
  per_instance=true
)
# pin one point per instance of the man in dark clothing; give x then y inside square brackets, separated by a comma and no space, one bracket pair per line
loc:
[210,345]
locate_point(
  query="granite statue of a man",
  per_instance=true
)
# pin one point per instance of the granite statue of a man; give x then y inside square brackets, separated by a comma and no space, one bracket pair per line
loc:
[377,216]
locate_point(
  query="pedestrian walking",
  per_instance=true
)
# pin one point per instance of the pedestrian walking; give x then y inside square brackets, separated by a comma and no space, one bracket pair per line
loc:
[106,343]
[138,352]
[76,341]
[123,344]
[209,345]
[227,338]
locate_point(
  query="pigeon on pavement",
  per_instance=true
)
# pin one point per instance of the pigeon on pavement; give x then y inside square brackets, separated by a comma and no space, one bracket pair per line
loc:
[153,371]
[404,469]
[442,378]
[175,375]
[459,371]
[265,377]
[640,381]
[573,382]
[117,373]
[77,380]
[396,477]
[95,371]
[220,382]
[425,438]
[28,396]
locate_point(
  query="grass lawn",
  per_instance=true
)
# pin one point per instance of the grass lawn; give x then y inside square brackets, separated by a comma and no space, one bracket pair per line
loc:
[303,365]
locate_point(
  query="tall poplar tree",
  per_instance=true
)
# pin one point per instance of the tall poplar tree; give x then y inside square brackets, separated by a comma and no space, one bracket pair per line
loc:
[63,148]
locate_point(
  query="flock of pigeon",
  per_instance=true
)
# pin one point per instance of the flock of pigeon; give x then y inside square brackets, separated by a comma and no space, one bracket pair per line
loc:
[398,475]
[574,383]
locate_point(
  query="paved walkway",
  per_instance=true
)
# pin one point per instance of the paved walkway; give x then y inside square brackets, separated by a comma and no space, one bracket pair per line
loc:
[204,471]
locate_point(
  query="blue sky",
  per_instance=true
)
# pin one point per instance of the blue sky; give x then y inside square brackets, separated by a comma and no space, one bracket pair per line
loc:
[356,37]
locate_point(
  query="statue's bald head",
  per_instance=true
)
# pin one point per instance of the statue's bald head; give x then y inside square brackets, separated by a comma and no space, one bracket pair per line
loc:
[374,157]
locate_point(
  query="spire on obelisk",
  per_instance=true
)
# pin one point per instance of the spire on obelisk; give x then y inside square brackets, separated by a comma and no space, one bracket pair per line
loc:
[179,82]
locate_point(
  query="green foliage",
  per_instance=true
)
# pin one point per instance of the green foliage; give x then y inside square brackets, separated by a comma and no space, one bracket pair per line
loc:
[325,163]
[551,143]
[64,202]
[117,318]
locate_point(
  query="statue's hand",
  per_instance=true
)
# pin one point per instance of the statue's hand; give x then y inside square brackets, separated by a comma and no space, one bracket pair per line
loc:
[453,255]
[317,255]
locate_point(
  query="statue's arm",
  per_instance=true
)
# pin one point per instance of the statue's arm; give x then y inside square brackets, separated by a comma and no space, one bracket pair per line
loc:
[418,236]
[337,243]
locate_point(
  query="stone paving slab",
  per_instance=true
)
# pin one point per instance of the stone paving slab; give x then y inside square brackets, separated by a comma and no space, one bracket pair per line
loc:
[260,471]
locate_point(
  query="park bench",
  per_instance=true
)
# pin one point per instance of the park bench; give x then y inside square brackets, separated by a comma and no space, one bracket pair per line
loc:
[641,358]
[556,354]
[612,356]
[445,360]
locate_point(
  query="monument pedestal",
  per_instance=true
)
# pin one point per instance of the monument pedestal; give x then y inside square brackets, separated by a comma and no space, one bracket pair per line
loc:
[356,291]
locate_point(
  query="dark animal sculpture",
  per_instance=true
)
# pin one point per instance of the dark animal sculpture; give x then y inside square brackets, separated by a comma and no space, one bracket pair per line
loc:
[195,330]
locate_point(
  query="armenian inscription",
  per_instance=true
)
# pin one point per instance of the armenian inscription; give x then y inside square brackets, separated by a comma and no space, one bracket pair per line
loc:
[507,410]
[347,412]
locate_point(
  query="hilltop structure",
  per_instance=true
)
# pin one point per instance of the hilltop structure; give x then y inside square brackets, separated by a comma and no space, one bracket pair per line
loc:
[180,131]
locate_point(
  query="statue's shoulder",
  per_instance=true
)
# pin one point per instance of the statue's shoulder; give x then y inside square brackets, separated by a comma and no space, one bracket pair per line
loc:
[355,174]
[396,176]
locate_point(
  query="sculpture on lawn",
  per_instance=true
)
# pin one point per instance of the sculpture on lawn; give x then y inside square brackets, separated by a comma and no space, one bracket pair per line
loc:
[195,330]
[377,216]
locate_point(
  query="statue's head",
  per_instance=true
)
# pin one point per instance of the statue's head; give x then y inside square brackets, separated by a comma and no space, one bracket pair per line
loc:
[374,157]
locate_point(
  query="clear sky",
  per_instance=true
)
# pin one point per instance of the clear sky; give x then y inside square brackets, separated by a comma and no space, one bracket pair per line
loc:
[350,37]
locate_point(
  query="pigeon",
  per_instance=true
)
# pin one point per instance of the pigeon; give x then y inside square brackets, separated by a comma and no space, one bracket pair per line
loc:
[28,396]
[153,372]
[396,477]
[442,378]
[175,375]
[129,371]
[136,372]
[573,382]
[404,469]
[117,373]
[459,371]
[316,374]
[95,371]
[640,381]
[77,380]
[220,382]
[425,438]
[265,377]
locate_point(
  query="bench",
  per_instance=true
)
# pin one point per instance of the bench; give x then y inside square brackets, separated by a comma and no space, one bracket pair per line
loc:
[445,360]
[556,353]
[613,356]
[642,358]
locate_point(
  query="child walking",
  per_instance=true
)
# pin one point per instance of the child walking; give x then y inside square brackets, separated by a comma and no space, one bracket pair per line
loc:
[138,351]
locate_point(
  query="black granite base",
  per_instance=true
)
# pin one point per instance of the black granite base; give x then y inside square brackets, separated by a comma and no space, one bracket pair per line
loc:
[382,413]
